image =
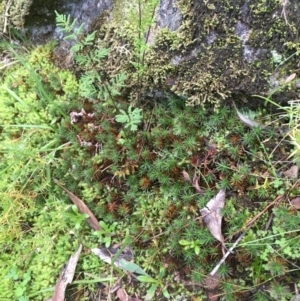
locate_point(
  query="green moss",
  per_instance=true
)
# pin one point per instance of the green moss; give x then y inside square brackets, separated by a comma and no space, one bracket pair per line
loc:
[210,72]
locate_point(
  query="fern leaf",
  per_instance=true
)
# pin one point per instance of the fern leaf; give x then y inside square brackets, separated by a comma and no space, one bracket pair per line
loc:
[89,39]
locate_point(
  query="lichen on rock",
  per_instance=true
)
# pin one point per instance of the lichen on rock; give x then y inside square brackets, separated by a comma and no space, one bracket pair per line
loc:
[221,51]
[12,14]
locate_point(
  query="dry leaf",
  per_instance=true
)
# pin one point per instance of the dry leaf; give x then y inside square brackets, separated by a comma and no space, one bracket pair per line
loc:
[296,202]
[122,295]
[211,284]
[292,173]
[83,208]
[196,184]
[123,261]
[289,78]
[213,296]
[212,216]
[186,176]
[66,277]
[246,120]
[195,181]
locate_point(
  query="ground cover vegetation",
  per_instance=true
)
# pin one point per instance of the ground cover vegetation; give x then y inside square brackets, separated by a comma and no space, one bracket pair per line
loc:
[144,166]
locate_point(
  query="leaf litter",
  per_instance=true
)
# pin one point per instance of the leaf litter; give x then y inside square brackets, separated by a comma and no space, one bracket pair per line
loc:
[82,207]
[212,217]
[66,277]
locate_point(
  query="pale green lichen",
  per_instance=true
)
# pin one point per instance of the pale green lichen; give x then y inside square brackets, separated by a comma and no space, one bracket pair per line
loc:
[12,14]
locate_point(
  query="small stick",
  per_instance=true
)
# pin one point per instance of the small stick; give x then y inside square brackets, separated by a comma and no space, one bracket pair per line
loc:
[6,15]
[249,224]
[226,255]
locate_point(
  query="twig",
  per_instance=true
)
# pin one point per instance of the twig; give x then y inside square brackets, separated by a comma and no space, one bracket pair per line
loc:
[226,255]
[249,224]
[283,12]
[6,15]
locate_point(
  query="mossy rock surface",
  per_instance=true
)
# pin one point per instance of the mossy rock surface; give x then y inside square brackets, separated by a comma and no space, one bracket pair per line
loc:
[221,52]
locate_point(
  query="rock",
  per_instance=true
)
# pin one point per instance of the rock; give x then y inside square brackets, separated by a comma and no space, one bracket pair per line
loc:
[207,53]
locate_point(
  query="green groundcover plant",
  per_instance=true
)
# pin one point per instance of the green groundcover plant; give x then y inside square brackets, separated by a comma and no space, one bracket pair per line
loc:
[145,173]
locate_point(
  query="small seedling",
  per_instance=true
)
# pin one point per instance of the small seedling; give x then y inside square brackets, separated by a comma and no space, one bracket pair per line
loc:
[194,244]
[155,284]
[76,217]
[106,234]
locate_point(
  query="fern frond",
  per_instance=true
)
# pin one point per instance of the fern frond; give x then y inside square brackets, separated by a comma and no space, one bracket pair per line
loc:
[88,40]
[64,21]
[99,54]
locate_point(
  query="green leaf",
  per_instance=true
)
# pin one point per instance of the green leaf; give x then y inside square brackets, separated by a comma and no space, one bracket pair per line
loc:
[78,31]
[147,279]
[133,127]
[77,225]
[70,37]
[19,291]
[122,118]
[165,293]
[13,274]
[75,209]
[107,241]
[132,267]
[162,272]
[89,39]
[277,183]
[151,291]
[101,53]
[77,47]
[184,242]
[104,226]
[197,250]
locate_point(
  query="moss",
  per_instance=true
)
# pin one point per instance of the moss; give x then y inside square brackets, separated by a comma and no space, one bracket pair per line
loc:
[62,88]
[205,59]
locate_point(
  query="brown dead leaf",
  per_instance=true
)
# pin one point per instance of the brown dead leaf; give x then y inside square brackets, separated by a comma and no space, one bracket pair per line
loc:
[196,184]
[213,296]
[186,176]
[122,295]
[292,173]
[195,181]
[66,277]
[211,284]
[82,207]
[212,216]
[296,202]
